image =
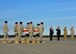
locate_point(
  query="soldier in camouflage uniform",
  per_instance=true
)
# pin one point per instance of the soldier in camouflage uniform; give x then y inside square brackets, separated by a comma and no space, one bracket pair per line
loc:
[72,32]
[31,28]
[65,33]
[20,30]
[16,31]
[5,30]
[37,34]
[27,34]
[41,30]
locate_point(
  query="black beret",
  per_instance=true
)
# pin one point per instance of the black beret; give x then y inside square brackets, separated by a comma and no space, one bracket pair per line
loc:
[20,22]
[30,22]
[6,21]
[16,22]
[38,24]
[42,23]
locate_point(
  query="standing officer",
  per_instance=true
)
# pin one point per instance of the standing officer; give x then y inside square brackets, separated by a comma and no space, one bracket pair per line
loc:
[5,30]
[65,33]
[51,33]
[20,30]
[58,33]
[72,32]
[31,29]
[16,31]
[41,31]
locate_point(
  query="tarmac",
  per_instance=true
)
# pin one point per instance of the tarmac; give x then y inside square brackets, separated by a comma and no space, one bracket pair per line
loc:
[48,47]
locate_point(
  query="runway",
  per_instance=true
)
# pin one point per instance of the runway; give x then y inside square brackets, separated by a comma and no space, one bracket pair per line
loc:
[49,47]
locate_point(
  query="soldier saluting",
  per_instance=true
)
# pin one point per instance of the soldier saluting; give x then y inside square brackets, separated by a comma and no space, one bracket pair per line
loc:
[51,33]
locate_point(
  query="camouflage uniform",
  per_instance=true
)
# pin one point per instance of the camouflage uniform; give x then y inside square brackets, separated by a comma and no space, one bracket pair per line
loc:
[27,34]
[5,30]
[20,30]
[41,30]
[65,33]
[37,33]
[31,28]
[72,32]
[16,30]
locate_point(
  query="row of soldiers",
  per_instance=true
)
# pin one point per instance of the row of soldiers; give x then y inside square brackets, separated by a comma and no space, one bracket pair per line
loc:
[59,32]
[18,29]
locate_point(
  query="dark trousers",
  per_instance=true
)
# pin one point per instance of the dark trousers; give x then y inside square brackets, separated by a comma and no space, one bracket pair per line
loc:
[58,36]
[51,35]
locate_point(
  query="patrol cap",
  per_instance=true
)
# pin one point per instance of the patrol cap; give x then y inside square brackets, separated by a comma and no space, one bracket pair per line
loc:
[16,22]
[5,21]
